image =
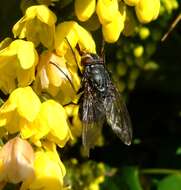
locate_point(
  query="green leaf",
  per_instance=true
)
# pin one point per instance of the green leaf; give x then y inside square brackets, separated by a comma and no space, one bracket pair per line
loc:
[125,179]
[171,182]
[131,177]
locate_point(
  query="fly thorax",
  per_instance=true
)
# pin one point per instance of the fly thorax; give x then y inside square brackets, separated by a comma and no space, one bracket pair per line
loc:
[96,73]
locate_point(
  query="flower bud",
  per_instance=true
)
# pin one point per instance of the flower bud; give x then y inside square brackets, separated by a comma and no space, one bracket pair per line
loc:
[111,31]
[138,51]
[84,9]
[16,161]
[147,10]
[107,10]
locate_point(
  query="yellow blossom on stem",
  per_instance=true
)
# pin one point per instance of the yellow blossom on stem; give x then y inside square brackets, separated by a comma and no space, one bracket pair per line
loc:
[84,9]
[59,129]
[73,60]
[147,10]
[74,33]
[94,186]
[65,30]
[22,107]
[16,161]
[85,39]
[106,10]
[24,113]
[17,65]
[111,31]
[51,123]
[58,76]
[49,172]
[38,25]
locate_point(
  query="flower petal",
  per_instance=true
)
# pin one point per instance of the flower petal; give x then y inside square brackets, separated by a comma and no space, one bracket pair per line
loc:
[84,9]
[27,102]
[49,172]
[106,10]
[85,39]
[27,54]
[57,121]
[65,30]
[111,31]
[17,158]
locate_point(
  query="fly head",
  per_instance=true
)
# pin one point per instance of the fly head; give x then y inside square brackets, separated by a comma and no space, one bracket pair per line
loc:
[91,58]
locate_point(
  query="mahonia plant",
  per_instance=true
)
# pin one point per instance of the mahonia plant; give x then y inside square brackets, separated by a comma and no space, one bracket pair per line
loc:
[34,115]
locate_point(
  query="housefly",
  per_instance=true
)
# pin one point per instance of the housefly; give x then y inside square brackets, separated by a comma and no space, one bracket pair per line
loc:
[100,102]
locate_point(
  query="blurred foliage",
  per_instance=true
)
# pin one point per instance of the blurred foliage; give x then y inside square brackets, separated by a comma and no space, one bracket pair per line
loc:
[148,71]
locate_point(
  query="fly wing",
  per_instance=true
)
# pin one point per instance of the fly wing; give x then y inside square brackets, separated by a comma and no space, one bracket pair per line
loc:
[92,116]
[117,115]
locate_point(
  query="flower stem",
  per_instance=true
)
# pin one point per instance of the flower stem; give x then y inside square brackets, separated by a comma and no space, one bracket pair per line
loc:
[158,171]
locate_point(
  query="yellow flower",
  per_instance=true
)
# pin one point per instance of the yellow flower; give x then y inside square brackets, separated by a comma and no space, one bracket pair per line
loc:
[112,15]
[85,39]
[65,30]
[17,65]
[16,161]
[49,172]
[84,9]
[147,10]
[58,76]
[156,10]
[21,108]
[107,10]
[74,33]
[24,113]
[94,186]
[111,31]
[59,129]
[51,123]
[38,25]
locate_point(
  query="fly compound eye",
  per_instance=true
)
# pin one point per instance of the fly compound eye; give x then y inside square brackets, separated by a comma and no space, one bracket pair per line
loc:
[87,59]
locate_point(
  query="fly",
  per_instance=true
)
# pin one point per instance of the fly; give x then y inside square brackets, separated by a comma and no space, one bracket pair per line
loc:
[101,101]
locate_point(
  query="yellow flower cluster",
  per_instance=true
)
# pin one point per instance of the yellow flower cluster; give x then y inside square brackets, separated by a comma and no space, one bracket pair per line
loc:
[17,65]
[39,76]
[112,14]
[42,124]
[33,80]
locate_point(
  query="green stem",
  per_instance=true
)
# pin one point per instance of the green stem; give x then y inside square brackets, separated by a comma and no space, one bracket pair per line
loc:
[158,171]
